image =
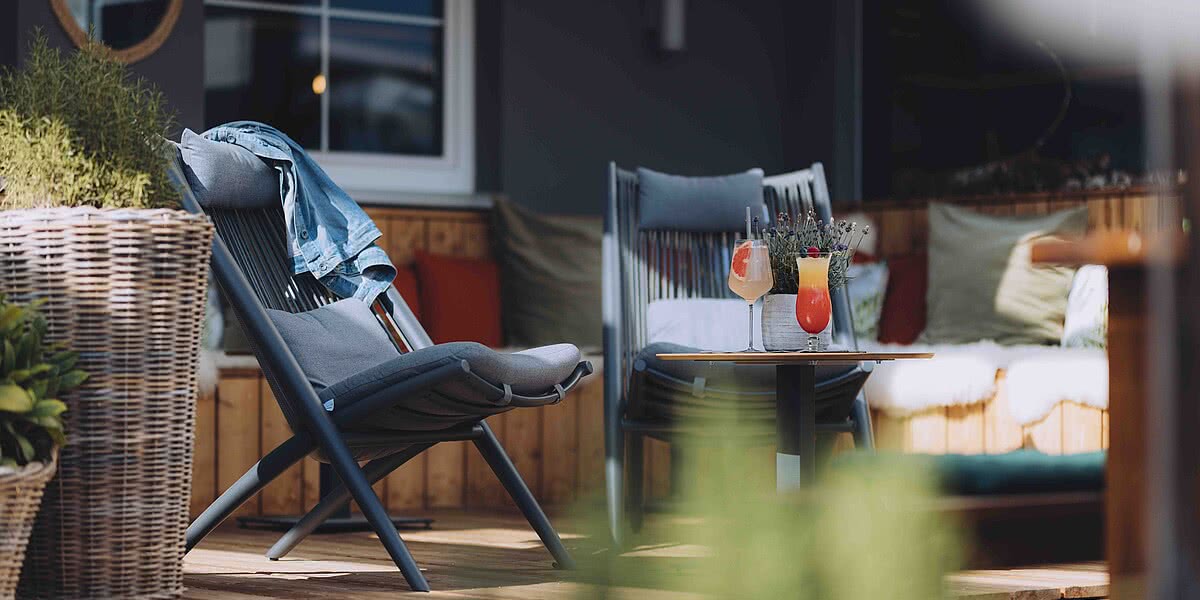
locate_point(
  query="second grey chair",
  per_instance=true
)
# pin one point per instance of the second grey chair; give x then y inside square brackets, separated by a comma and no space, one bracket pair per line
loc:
[673,401]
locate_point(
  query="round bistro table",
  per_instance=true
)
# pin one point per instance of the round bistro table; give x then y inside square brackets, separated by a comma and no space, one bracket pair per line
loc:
[795,397]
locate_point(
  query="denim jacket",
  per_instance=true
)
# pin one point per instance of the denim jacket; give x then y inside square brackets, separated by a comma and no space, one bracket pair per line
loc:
[329,235]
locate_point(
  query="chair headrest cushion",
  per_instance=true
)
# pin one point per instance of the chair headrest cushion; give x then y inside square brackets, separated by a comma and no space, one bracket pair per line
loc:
[226,176]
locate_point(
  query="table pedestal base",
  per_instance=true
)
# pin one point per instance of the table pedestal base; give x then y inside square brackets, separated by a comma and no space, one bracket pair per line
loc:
[795,426]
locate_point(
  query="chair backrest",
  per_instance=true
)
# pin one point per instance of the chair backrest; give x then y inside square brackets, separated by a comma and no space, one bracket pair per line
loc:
[641,266]
[252,264]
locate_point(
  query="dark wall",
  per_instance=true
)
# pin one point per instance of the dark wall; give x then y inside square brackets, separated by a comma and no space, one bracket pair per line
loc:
[177,68]
[581,85]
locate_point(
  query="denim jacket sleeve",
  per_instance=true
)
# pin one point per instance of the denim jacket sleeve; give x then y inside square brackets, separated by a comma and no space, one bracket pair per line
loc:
[329,235]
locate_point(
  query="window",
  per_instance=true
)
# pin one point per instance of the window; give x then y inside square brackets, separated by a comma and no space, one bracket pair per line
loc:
[379,91]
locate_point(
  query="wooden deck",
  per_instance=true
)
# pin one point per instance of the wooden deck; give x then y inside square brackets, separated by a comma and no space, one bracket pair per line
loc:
[482,555]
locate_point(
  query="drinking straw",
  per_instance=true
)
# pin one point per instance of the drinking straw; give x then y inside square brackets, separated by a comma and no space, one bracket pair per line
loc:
[749,235]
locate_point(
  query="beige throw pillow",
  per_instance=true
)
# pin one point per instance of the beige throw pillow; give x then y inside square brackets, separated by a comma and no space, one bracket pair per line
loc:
[982,285]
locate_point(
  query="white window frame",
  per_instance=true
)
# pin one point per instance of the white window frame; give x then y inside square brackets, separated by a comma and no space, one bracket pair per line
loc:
[407,179]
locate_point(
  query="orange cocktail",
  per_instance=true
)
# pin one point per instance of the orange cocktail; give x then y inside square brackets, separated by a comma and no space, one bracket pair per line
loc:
[813,308]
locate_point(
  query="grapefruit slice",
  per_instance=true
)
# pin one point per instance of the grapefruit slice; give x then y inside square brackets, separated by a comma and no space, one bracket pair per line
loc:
[741,260]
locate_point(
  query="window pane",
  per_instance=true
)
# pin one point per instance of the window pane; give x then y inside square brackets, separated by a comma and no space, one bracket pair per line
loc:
[260,65]
[385,85]
[420,8]
[120,25]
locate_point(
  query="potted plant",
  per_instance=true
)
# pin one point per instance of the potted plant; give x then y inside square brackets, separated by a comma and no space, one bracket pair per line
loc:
[32,375]
[90,226]
[787,241]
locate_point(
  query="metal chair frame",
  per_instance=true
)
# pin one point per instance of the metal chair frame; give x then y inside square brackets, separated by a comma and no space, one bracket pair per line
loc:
[641,266]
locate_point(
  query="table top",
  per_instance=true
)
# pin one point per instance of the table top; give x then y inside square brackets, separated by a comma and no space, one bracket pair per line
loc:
[794,358]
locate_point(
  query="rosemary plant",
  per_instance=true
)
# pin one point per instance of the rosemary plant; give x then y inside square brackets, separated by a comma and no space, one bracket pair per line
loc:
[789,239]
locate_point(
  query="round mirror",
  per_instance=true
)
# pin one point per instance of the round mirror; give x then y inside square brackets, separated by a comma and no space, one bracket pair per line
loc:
[132,29]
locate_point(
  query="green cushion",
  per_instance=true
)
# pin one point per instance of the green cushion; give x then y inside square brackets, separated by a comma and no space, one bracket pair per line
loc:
[982,285]
[1017,472]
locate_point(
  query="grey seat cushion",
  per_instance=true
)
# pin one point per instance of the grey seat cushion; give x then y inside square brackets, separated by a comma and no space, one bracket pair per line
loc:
[227,176]
[699,203]
[335,341]
[529,372]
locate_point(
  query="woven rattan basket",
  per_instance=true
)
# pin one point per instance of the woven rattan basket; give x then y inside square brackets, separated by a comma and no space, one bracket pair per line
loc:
[126,289]
[20,494]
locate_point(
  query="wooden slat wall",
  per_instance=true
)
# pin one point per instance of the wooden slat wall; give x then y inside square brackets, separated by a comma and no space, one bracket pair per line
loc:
[559,450]
[903,228]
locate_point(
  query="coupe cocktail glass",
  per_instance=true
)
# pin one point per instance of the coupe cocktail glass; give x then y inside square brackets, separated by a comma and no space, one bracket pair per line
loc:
[750,276]
[813,307]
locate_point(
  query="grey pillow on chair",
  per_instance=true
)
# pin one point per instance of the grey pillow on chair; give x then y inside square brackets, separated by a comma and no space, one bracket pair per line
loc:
[335,341]
[224,175]
[699,203]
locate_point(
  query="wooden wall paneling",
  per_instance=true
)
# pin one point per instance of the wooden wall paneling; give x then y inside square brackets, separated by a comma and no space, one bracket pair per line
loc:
[523,442]
[406,486]
[406,237]
[445,482]
[1097,214]
[1046,435]
[658,468]
[1082,428]
[285,495]
[590,399]
[892,433]
[1104,430]
[1002,433]
[928,429]
[204,452]
[238,445]
[459,237]
[310,471]
[483,488]
[560,452]
[965,429]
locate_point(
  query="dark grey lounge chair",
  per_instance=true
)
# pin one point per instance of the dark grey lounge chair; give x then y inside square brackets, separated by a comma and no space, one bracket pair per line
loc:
[386,414]
[670,401]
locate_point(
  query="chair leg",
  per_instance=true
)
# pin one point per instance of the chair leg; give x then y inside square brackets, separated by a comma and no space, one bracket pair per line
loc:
[864,438]
[504,469]
[635,459]
[614,475]
[262,473]
[355,480]
[337,498]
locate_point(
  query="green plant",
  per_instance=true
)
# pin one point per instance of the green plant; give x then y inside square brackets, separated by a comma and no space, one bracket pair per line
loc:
[789,239]
[32,375]
[77,130]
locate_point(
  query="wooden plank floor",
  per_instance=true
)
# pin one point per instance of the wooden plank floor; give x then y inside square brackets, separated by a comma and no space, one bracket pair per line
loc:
[471,555]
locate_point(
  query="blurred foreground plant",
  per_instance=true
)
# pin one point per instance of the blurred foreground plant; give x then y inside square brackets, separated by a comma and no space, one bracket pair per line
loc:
[864,531]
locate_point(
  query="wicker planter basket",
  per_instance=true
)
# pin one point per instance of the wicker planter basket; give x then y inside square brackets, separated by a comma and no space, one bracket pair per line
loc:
[126,289]
[20,495]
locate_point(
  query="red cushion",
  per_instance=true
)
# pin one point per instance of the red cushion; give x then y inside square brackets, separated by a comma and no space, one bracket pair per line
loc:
[460,299]
[903,315]
[406,284]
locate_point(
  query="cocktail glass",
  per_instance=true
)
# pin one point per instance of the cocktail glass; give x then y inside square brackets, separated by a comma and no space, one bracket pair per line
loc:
[750,276]
[813,307]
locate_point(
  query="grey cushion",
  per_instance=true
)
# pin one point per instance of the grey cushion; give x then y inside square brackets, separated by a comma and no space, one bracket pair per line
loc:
[227,176]
[335,341]
[530,372]
[550,276]
[699,203]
